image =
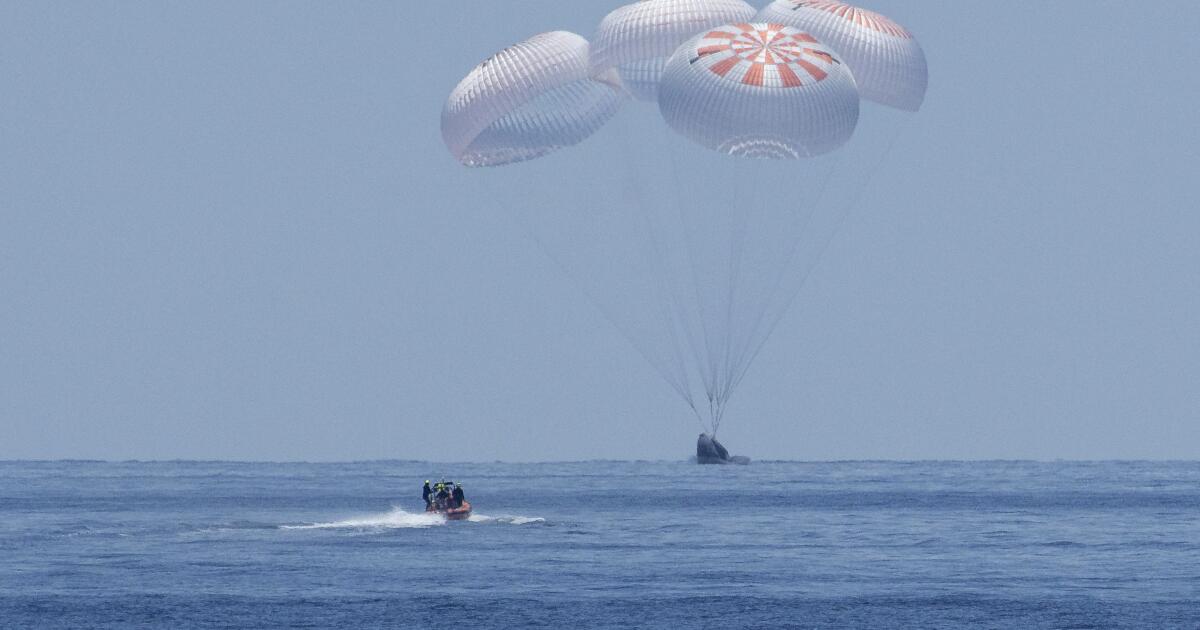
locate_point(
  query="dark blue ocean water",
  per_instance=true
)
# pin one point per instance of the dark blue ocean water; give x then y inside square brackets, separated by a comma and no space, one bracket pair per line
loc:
[601,544]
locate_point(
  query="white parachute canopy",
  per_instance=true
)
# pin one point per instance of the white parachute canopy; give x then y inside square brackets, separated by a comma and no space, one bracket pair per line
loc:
[638,38]
[886,60]
[528,100]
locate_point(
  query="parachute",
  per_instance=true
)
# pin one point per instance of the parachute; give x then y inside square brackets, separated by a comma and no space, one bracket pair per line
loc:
[637,39]
[886,60]
[697,209]
[528,100]
[759,90]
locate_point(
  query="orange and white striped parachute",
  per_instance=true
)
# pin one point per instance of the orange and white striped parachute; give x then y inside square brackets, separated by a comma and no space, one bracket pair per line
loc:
[759,90]
[887,62]
[528,100]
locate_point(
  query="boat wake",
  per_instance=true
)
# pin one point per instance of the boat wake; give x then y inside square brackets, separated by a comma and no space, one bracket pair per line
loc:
[398,518]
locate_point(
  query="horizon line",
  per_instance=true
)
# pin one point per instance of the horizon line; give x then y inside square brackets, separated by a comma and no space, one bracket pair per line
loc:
[77,460]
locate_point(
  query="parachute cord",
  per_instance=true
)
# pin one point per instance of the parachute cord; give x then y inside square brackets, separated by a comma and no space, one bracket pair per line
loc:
[840,221]
[777,284]
[737,249]
[684,392]
[735,368]
[668,303]
[720,415]
[696,414]
[732,367]
[708,376]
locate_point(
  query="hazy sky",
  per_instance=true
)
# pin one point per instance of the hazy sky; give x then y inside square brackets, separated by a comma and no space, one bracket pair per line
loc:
[230,230]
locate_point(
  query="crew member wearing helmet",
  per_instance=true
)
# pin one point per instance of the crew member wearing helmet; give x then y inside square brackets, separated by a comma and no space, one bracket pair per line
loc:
[458,495]
[442,495]
[426,492]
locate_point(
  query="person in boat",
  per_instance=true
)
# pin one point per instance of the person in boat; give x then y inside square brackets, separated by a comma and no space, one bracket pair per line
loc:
[426,492]
[442,495]
[457,496]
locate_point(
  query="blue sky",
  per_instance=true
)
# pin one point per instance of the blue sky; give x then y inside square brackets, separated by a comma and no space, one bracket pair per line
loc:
[230,230]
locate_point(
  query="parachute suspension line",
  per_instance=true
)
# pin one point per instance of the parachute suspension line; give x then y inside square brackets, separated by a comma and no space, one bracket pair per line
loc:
[777,283]
[523,219]
[737,248]
[763,197]
[718,414]
[734,368]
[702,359]
[696,413]
[668,305]
[840,221]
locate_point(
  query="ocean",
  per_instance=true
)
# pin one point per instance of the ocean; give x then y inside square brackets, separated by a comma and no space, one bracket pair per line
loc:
[601,545]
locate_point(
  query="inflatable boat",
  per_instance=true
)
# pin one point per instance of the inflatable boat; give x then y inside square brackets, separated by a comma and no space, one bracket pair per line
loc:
[461,513]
